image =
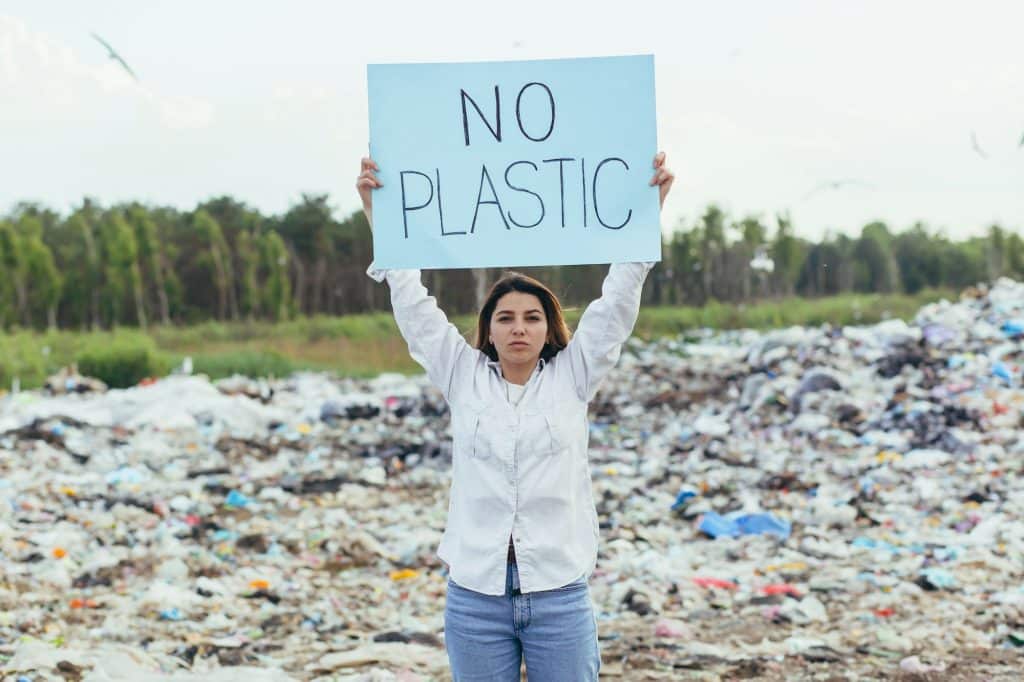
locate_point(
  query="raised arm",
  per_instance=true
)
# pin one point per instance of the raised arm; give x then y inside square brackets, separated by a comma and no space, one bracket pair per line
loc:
[609,321]
[433,341]
[604,327]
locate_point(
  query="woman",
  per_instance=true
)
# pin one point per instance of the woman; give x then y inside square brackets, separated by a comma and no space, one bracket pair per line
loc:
[521,537]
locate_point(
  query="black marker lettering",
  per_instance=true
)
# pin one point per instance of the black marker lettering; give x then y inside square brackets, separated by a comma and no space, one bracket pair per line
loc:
[596,212]
[520,189]
[561,181]
[519,115]
[484,175]
[405,207]
[440,214]
[497,115]
[583,179]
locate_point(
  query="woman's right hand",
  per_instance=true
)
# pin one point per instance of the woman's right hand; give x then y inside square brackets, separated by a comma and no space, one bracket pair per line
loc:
[366,183]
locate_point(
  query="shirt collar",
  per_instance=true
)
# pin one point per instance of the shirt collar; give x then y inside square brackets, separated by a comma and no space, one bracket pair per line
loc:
[496,366]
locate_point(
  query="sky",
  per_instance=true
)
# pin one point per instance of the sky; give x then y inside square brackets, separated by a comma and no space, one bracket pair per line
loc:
[758,103]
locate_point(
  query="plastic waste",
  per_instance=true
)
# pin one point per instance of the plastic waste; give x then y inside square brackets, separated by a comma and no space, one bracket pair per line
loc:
[755,518]
[733,525]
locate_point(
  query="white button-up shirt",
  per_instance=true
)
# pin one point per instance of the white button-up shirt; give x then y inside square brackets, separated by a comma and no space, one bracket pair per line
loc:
[519,471]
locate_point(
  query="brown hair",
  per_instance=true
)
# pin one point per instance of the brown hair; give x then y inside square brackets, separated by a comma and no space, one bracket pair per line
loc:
[558,331]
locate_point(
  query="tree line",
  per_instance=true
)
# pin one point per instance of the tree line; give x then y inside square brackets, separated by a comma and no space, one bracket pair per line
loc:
[138,265]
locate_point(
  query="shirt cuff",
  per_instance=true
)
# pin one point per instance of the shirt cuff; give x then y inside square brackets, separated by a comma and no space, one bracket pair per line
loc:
[376,274]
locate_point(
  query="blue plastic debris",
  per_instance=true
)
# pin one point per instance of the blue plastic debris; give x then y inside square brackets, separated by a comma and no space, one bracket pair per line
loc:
[734,525]
[938,578]
[1013,327]
[683,497]
[870,543]
[1002,371]
[764,524]
[236,499]
[716,525]
[171,614]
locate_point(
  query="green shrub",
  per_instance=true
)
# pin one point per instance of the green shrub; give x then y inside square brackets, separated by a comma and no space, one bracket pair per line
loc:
[121,359]
[23,359]
[250,363]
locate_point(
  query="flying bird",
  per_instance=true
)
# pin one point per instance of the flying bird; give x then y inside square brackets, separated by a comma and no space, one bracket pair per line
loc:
[838,184]
[112,53]
[977,147]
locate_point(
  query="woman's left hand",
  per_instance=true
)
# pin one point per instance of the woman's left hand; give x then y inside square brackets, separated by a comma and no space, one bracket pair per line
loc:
[663,177]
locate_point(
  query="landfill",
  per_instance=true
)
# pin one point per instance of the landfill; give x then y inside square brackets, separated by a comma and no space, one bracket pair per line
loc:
[804,503]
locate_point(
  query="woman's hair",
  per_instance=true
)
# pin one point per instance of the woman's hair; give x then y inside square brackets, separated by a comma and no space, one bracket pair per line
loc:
[558,331]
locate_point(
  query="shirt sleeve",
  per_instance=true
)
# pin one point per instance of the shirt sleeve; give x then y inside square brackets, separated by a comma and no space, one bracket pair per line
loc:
[604,327]
[434,342]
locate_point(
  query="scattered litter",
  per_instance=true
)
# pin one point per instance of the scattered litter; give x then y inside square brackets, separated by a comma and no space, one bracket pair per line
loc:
[766,501]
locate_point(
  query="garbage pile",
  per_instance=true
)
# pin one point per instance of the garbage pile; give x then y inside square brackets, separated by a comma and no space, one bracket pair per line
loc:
[772,505]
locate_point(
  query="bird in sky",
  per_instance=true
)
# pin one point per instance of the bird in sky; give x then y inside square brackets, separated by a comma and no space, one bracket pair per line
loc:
[112,53]
[977,147]
[838,184]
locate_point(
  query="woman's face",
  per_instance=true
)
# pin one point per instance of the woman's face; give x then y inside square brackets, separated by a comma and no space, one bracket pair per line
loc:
[519,327]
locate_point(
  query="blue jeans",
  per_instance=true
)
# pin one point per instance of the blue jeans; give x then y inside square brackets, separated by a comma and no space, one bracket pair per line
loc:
[487,637]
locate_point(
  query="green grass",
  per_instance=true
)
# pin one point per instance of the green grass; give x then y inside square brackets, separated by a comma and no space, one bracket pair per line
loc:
[846,309]
[366,345]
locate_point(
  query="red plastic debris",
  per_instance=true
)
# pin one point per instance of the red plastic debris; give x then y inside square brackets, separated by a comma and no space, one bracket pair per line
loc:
[781,588]
[715,582]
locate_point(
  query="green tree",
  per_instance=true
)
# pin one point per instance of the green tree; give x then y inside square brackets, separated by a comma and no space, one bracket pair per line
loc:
[996,252]
[235,220]
[712,243]
[274,263]
[310,232]
[684,269]
[13,292]
[828,268]
[43,280]
[875,269]
[788,254]
[77,254]
[151,259]
[122,277]
[920,258]
[248,259]
[215,258]
[753,235]
[1015,256]
[15,265]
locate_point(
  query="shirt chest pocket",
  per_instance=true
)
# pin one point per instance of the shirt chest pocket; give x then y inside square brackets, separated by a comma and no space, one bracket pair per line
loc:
[533,434]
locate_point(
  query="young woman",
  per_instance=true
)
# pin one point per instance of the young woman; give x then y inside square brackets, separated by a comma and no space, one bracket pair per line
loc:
[522,533]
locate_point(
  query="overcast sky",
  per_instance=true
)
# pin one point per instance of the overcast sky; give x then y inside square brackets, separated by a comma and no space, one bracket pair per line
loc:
[758,102]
